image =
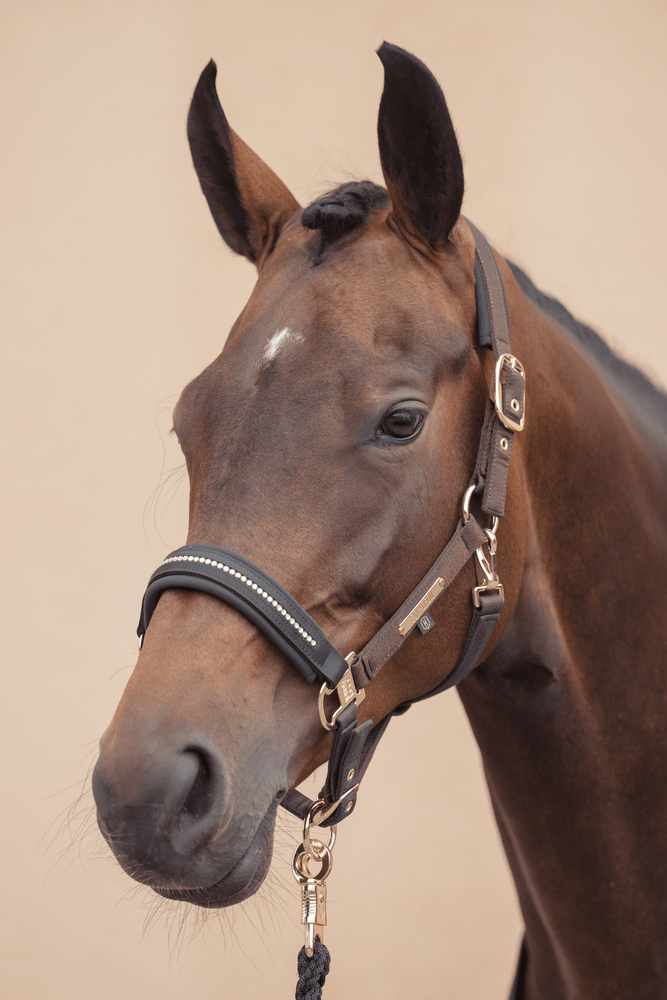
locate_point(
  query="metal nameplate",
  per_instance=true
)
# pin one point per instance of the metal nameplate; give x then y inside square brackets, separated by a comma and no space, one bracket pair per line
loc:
[427,600]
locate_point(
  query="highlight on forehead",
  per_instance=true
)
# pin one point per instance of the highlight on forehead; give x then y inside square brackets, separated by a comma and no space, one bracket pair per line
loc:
[280,341]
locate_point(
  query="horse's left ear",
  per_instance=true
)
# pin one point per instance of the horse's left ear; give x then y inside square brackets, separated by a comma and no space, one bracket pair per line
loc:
[248,202]
[420,156]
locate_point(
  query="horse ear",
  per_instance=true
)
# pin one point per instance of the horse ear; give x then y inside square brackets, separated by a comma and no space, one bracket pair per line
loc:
[419,153]
[248,202]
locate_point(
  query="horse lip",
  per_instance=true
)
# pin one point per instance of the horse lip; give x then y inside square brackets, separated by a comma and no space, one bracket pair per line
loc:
[241,881]
[236,886]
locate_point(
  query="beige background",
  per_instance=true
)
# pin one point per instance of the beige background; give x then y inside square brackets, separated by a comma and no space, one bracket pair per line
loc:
[116,290]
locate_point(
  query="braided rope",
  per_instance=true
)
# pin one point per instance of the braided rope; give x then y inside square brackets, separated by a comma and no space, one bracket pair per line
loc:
[312,972]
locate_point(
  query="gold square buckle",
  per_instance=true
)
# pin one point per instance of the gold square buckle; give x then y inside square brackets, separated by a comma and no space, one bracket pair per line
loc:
[345,689]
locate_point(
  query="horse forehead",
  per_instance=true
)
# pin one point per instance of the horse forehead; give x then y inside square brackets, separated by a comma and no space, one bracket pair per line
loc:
[281,341]
[352,300]
[370,301]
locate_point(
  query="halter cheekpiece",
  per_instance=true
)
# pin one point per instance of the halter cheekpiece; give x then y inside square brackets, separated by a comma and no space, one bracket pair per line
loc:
[236,581]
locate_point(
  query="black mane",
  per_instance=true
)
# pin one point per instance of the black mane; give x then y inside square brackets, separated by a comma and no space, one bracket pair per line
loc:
[627,375]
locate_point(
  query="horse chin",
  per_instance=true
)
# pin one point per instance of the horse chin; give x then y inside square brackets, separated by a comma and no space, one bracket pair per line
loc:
[196,883]
[240,883]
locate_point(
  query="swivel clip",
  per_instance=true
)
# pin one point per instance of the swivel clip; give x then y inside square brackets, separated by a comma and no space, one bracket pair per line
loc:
[487,564]
[313,886]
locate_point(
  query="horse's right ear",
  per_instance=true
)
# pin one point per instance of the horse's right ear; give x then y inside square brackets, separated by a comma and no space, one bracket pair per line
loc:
[248,202]
[420,156]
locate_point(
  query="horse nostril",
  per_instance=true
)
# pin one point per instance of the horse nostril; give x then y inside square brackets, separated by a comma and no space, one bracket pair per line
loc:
[162,807]
[199,799]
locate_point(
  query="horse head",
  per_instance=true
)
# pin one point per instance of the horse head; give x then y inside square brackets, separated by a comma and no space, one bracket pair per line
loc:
[330,443]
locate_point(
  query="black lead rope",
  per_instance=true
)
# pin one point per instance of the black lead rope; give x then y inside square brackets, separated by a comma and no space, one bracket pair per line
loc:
[312,972]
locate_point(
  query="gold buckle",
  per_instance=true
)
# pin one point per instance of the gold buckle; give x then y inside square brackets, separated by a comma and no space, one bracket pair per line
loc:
[515,365]
[485,588]
[347,693]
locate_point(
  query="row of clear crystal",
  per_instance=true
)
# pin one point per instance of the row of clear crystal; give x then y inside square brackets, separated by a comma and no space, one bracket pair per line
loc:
[249,583]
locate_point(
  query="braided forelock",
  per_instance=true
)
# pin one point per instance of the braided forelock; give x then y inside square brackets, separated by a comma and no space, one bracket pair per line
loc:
[343,209]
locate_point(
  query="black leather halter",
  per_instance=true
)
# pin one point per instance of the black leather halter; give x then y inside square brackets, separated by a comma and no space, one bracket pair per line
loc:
[236,581]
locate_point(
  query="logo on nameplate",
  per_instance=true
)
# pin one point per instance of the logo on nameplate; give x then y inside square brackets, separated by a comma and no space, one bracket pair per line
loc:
[425,624]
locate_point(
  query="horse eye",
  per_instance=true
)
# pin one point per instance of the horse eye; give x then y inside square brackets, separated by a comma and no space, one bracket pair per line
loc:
[401,423]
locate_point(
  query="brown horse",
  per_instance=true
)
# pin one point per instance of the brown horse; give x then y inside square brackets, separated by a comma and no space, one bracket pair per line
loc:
[331,443]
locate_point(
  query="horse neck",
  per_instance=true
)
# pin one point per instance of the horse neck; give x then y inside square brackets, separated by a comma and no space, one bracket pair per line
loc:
[568,709]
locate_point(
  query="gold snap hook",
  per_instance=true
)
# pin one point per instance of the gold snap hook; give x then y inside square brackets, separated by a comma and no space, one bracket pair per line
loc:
[313,886]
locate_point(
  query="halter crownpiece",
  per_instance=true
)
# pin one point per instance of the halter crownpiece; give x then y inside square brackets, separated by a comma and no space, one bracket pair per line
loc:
[236,581]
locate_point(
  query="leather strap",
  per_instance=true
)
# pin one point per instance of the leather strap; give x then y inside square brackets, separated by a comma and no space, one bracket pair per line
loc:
[235,580]
[484,620]
[352,750]
[494,293]
[446,568]
[353,746]
[495,448]
[483,318]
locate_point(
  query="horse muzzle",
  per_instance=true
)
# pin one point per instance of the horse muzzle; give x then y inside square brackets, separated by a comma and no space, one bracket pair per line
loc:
[166,815]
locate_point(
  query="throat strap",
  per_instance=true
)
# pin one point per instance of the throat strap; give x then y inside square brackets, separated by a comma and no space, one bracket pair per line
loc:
[466,539]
